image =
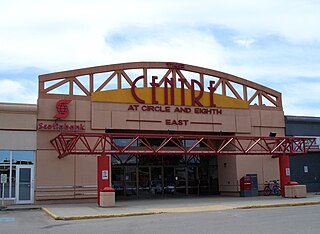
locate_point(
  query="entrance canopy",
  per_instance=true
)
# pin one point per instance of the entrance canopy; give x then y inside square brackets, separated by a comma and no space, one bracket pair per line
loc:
[76,143]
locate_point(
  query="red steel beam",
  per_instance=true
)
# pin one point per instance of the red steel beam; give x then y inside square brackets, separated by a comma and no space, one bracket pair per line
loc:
[76,143]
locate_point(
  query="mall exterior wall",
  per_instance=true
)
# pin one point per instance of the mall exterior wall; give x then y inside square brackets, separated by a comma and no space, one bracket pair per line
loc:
[18,126]
[305,169]
[71,178]
[74,177]
[17,143]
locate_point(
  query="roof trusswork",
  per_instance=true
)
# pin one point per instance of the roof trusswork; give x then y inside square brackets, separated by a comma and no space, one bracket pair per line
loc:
[175,144]
[81,83]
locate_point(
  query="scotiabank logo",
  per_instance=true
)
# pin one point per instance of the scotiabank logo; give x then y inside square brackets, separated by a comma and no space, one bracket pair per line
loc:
[61,127]
[62,109]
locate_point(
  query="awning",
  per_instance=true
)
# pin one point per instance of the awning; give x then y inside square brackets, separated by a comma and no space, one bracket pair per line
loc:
[76,143]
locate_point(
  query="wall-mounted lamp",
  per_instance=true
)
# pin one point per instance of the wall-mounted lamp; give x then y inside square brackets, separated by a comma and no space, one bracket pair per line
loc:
[108,130]
[272,134]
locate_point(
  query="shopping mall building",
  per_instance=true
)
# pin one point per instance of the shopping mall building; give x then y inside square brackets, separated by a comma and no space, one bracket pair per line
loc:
[166,129]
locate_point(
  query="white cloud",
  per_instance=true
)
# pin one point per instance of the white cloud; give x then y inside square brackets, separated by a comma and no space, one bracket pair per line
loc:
[14,91]
[244,42]
[62,35]
[186,46]
[52,33]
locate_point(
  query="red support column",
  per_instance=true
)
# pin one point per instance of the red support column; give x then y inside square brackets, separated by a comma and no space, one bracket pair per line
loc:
[284,165]
[103,173]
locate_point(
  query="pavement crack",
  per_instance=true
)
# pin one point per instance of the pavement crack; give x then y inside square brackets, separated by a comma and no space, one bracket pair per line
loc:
[55,225]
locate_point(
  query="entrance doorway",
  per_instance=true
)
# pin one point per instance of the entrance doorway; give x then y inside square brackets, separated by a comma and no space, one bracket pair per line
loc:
[150,181]
[156,176]
[24,184]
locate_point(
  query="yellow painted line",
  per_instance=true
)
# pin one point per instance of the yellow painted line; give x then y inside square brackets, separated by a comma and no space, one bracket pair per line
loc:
[174,210]
[98,216]
[194,209]
[279,205]
[48,212]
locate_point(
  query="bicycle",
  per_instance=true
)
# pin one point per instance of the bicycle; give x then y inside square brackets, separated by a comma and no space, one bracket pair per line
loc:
[272,188]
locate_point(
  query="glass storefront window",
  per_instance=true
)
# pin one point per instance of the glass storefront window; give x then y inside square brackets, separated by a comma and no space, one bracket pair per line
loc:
[4,156]
[147,180]
[189,143]
[124,159]
[146,160]
[123,142]
[5,166]
[118,180]
[130,176]
[174,160]
[192,159]
[22,157]
[8,161]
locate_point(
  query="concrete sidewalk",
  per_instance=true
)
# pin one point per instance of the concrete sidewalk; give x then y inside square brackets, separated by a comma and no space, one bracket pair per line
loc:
[167,205]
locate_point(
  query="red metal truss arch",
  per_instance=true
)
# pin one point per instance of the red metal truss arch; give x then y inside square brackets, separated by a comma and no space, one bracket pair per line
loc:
[174,144]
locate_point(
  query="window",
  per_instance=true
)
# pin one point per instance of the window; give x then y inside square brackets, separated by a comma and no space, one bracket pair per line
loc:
[8,162]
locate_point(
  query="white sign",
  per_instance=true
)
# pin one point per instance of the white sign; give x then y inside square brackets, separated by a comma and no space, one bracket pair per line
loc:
[315,147]
[287,171]
[4,178]
[305,169]
[105,174]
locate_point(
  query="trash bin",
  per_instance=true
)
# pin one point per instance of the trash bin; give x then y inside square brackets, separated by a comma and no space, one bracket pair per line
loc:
[107,197]
[254,185]
[246,186]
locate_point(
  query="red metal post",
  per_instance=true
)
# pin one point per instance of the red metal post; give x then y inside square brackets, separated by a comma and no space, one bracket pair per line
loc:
[103,173]
[284,165]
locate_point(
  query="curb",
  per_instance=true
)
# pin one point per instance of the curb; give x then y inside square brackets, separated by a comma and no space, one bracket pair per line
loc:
[52,215]
[279,205]
[98,216]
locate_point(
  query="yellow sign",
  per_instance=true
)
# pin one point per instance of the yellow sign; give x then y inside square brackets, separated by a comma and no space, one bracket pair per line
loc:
[125,96]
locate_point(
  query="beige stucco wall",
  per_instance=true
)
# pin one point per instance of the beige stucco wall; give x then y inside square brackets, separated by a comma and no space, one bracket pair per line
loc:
[18,140]
[115,116]
[75,173]
[18,117]
[73,177]
[18,126]
[267,168]
[238,121]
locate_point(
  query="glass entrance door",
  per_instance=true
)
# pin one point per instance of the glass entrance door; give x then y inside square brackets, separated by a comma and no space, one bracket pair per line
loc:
[144,182]
[180,180]
[156,181]
[150,181]
[24,184]
[169,181]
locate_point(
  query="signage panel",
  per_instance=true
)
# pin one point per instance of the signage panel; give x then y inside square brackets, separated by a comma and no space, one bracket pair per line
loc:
[4,178]
[315,147]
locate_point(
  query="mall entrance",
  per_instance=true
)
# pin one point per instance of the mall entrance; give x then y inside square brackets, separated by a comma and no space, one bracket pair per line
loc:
[149,176]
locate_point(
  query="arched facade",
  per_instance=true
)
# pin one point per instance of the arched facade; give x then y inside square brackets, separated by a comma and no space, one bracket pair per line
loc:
[153,97]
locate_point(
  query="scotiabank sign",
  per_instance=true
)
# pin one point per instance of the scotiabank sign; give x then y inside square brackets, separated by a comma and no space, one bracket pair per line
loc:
[62,109]
[62,113]
[61,127]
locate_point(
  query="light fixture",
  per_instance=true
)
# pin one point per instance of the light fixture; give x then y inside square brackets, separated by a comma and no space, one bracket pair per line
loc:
[272,134]
[108,130]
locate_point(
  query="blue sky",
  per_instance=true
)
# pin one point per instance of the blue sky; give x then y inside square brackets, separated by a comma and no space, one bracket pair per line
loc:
[275,43]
